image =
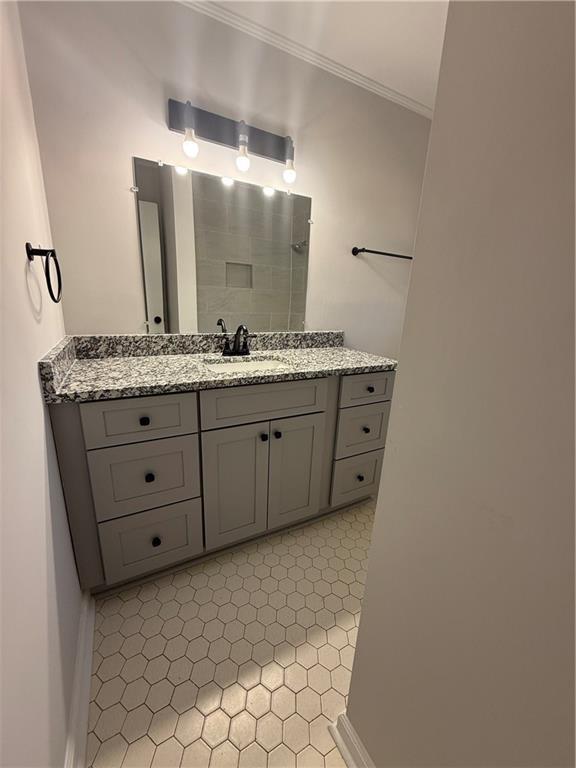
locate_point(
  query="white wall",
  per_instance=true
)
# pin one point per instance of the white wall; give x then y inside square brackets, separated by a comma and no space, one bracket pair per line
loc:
[40,594]
[465,651]
[101,75]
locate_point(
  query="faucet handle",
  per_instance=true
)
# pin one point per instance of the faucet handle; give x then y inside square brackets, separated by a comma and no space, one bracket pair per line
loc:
[220,322]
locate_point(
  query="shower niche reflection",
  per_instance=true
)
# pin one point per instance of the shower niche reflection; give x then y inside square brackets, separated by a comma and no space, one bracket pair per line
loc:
[214,247]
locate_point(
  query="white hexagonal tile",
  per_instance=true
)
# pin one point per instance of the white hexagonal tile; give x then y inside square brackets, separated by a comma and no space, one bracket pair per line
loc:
[308,704]
[283,702]
[136,723]
[309,758]
[296,733]
[333,704]
[233,699]
[269,731]
[189,727]
[209,698]
[216,727]
[159,695]
[110,722]
[111,753]
[197,755]
[156,669]
[258,700]
[203,672]
[184,696]
[242,729]
[281,757]
[168,754]
[110,692]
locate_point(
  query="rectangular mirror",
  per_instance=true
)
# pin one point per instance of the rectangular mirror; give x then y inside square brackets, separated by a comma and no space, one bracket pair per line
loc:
[215,248]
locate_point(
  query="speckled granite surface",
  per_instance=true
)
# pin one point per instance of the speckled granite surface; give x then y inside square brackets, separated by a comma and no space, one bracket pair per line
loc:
[115,377]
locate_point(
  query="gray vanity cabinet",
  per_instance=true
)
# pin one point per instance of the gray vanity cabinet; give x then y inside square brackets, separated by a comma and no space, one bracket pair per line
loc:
[261,476]
[296,454]
[235,473]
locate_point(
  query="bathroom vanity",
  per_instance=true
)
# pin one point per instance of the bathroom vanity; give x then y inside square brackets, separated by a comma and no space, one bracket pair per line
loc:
[168,451]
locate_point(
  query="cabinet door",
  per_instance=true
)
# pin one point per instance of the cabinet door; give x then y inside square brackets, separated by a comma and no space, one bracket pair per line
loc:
[235,473]
[296,450]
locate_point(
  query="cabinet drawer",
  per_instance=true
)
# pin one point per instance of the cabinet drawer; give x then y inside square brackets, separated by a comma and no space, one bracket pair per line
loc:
[151,540]
[361,429]
[244,405]
[116,422]
[131,478]
[356,477]
[364,388]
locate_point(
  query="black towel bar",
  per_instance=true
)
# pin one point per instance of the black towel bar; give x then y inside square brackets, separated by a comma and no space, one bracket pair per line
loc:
[356,251]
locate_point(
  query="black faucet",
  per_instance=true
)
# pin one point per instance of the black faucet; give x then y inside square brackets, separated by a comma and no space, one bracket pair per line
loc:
[240,343]
[226,351]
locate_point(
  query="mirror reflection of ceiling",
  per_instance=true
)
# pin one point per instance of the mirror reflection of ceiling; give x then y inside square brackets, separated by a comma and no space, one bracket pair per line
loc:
[391,48]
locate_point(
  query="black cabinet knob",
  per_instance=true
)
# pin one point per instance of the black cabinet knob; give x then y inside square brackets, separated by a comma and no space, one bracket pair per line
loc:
[144,421]
[150,477]
[277,434]
[370,389]
[366,430]
[360,478]
[156,541]
[264,437]
[157,319]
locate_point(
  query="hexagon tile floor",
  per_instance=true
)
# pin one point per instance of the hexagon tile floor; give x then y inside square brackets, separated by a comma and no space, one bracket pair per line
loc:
[241,660]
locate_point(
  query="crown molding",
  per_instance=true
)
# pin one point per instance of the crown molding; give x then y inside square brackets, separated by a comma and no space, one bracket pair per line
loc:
[226,16]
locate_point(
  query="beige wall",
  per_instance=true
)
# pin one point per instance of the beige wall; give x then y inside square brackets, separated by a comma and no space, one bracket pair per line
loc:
[40,597]
[101,74]
[465,650]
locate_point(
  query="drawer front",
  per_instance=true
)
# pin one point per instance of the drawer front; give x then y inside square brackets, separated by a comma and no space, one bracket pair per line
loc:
[116,422]
[365,388]
[132,478]
[361,429]
[148,541]
[245,405]
[356,477]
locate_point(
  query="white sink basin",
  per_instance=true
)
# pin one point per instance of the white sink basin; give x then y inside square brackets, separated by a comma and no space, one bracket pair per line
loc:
[247,366]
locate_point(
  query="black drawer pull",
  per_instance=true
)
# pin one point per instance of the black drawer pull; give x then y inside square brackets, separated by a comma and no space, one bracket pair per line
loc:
[370,389]
[360,478]
[144,421]
[277,434]
[149,477]
[156,541]
[366,430]
[264,437]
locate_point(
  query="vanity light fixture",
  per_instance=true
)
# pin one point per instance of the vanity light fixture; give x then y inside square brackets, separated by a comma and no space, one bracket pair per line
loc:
[289,174]
[227,181]
[269,191]
[246,140]
[180,170]
[242,159]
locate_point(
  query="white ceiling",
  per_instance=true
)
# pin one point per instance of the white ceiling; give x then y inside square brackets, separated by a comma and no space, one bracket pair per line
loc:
[390,47]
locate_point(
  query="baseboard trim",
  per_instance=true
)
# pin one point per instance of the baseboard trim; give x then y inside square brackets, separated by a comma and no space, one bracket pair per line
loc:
[353,752]
[80,701]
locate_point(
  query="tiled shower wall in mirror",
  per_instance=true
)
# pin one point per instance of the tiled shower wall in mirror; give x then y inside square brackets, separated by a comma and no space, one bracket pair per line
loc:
[251,255]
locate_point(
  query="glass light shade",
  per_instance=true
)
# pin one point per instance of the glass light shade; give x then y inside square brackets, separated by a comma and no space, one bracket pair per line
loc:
[190,145]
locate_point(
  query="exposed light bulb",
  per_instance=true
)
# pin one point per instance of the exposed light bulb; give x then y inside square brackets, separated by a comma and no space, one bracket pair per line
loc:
[289,174]
[180,170]
[227,181]
[190,145]
[242,159]
[269,191]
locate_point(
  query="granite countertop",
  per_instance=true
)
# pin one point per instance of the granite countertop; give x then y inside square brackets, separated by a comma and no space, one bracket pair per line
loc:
[107,378]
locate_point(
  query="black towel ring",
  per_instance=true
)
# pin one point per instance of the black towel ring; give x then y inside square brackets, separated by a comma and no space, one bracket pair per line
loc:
[47,254]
